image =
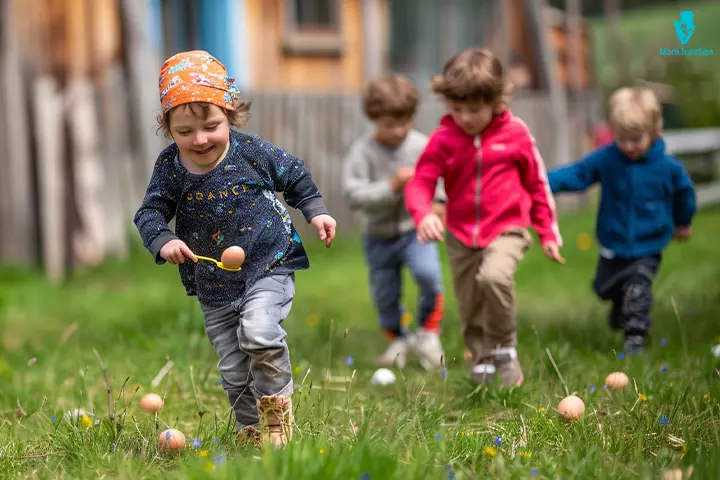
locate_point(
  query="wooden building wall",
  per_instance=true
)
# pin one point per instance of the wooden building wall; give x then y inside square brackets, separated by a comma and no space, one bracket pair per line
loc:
[311,63]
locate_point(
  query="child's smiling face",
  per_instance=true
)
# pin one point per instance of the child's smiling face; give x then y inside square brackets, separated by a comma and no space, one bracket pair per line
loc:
[201,132]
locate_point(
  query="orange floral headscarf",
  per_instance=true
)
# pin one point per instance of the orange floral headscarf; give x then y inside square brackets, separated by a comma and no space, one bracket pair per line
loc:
[195,76]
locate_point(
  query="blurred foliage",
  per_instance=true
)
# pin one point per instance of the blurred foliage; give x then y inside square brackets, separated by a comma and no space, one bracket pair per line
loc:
[693,80]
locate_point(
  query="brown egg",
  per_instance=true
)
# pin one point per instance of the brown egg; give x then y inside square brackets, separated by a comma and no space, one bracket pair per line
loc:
[152,402]
[616,381]
[571,408]
[172,440]
[233,257]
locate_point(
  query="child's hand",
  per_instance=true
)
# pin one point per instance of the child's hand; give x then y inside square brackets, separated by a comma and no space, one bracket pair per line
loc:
[175,251]
[325,226]
[681,234]
[430,229]
[552,251]
[402,176]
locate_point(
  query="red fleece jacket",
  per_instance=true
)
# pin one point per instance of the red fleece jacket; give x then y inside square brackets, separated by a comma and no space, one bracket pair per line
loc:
[494,181]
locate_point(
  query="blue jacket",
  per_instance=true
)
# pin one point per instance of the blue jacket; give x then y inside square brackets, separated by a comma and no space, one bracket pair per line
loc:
[642,201]
[234,204]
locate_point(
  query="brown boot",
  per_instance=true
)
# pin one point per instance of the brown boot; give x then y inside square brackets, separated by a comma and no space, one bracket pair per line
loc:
[276,420]
[249,436]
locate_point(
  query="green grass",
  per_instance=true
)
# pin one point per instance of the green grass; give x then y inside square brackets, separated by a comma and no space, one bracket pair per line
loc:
[136,317]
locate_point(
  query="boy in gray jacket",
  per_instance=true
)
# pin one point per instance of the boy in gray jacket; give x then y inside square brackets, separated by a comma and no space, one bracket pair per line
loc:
[376,169]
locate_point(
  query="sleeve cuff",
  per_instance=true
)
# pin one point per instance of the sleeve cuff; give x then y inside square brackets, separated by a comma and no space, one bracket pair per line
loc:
[313,208]
[158,243]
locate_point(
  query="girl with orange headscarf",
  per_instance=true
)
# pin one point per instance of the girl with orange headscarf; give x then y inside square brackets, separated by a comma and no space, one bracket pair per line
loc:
[220,186]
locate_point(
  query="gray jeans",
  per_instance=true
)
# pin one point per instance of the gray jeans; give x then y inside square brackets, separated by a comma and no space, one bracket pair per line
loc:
[254,359]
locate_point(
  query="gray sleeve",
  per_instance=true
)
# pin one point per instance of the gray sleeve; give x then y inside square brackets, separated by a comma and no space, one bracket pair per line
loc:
[359,191]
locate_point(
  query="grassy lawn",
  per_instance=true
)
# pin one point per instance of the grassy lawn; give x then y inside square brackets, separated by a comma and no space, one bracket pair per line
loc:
[135,318]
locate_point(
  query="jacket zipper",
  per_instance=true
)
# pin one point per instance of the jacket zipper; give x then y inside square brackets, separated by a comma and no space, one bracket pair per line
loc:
[478,158]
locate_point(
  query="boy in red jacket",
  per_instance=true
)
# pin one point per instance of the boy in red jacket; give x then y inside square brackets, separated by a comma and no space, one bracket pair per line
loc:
[496,187]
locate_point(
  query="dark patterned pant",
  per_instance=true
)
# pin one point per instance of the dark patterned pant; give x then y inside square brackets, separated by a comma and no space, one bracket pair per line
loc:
[628,284]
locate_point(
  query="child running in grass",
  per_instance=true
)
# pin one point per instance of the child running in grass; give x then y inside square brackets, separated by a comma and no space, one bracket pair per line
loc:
[220,186]
[376,170]
[647,200]
[496,187]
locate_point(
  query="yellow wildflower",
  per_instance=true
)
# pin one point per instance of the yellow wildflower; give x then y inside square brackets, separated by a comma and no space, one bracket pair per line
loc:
[541,409]
[462,434]
[706,396]
[209,466]
[322,451]
[490,450]
[87,423]
[297,369]
[642,397]
[203,453]
[526,454]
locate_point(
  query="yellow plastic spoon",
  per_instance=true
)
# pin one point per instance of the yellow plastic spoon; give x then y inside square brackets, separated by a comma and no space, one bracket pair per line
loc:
[219,264]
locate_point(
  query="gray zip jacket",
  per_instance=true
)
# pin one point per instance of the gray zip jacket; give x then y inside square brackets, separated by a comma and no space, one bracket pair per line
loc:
[367,170]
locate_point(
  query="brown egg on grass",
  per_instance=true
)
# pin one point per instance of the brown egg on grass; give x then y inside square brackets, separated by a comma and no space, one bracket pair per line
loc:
[616,381]
[233,257]
[152,403]
[172,440]
[571,408]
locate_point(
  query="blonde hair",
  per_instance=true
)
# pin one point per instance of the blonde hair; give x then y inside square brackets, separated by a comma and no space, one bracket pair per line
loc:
[392,95]
[474,74]
[636,109]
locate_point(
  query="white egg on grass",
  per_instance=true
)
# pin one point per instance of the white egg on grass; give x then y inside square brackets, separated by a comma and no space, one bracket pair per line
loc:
[383,376]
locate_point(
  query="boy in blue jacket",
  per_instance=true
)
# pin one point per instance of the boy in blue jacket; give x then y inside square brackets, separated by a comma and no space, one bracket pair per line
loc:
[647,200]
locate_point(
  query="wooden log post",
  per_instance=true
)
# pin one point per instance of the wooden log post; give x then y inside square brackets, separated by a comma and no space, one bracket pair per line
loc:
[18,227]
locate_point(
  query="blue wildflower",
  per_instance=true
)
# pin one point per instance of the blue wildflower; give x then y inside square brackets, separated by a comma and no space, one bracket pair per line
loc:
[592,388]
[444,373]
[664,368]
[197,442]
[533,472]
[220,459]
[53,418]
[349,361]
[663,341]
[437,436]
[663,420]
[498,441]
[621,355]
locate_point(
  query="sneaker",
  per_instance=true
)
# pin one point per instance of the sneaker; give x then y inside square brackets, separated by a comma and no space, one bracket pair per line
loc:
[396,353]
[634,345]
[276,420]
[508,367]
[427,346]
[484,373]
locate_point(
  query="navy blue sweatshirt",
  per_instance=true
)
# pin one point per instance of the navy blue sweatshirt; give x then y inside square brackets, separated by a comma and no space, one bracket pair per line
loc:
[233,204]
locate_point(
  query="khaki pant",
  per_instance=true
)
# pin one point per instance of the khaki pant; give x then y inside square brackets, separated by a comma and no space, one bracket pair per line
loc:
[484,285]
